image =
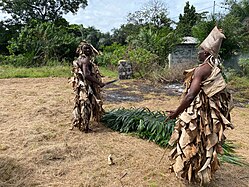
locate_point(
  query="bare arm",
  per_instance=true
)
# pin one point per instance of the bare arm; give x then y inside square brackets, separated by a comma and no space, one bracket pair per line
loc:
[87,73]
[200,74]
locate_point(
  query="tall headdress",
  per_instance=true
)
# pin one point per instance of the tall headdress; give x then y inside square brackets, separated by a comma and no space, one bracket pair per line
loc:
[79,49]
[213,42]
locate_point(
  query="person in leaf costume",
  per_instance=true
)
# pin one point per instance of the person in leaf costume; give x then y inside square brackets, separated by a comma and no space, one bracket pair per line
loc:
[87,84]
[202,116]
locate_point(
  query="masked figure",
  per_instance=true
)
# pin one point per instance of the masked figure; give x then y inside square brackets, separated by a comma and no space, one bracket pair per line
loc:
[202,116]
[87,84]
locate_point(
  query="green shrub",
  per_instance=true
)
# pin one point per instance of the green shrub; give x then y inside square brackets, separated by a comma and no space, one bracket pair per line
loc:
[141,59]
[244,66]
[9,71]
[143,62]
[111,55]
[19,60]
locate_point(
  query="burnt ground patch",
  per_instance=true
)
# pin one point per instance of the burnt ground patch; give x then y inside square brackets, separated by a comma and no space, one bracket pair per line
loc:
[135,90]
[122,96]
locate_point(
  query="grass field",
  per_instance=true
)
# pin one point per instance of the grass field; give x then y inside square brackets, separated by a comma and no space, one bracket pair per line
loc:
[45,71]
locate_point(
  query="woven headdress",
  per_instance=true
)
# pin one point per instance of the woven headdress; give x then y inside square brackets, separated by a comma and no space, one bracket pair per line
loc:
[213,42]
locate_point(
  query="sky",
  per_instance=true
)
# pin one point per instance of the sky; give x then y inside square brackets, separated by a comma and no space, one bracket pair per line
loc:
[106,15]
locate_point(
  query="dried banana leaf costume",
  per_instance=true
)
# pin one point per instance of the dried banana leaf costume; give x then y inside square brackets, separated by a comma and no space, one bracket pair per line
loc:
[198,133]
[88,99]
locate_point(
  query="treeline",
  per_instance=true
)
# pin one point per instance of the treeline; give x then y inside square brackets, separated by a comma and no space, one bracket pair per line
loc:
[37,34]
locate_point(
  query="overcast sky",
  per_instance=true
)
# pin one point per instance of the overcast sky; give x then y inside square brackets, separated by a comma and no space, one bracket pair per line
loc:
[108,14]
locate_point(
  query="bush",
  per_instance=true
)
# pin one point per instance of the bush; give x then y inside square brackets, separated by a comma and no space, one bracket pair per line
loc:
[172,74]
[28,60]
[111,55]
[244,66]
[141,59]
[38,43]
[143,62]
[19,60]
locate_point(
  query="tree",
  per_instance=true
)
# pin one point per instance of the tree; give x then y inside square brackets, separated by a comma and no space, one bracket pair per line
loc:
[239,9]
[236,28]
[153,13]
[203,28]
[41,42]
[237,38]
[120,35]
[158,42]
[43,10]
[8,30]
[91,35]
[187,20]
[155,34]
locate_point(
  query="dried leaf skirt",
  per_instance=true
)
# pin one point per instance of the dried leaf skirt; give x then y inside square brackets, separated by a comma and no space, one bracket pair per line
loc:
[86,106]
[198,137]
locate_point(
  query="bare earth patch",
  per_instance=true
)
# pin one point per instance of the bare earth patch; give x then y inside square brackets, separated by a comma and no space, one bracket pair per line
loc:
[38,149]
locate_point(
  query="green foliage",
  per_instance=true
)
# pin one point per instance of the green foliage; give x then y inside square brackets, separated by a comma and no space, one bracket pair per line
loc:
[19,60]
[230,155]
[145,123]
[111,55]
[7,31]
[151,125]
[43,10]
[108,73]
[157,41]
[154,31]
[202,29]
[91,35]
[7,71]
[239,9]
[187,20]
[120,35]
[237,39]
[240,86]
[235,27]
[142,60]
[170,75]
[55,69]
[244,66]
[153,13]
[40,42]
[4,38]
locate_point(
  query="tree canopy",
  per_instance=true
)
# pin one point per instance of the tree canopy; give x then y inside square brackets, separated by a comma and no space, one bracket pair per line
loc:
[186,21]
[154,13]
[43,10]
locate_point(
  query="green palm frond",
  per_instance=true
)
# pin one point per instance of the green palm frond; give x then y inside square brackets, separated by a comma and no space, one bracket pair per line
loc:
[230,155]
[145,123]
[151,125]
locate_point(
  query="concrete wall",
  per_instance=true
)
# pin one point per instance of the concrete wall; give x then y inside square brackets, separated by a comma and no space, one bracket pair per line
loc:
[183,53]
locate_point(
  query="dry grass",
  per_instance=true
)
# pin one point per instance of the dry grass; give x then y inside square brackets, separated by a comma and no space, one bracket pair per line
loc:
[172,74]
[37,149]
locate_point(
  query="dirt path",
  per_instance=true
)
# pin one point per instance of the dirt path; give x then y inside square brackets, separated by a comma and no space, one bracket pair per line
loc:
[37,149]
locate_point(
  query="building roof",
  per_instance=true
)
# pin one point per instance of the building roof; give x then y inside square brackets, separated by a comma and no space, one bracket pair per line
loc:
[189,40]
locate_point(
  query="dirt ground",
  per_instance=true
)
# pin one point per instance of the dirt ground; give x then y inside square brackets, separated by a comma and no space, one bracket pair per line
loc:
[38,149]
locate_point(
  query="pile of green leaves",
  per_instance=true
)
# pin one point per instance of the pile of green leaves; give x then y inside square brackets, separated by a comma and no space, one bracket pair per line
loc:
[151,125]
[230,155]
[143,122]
